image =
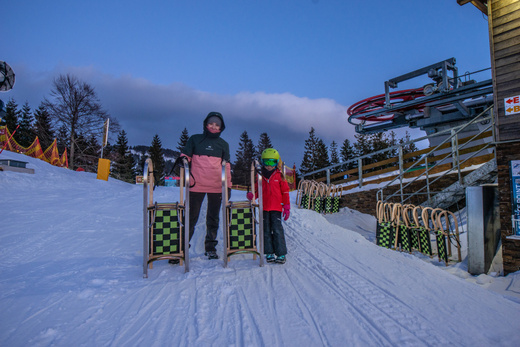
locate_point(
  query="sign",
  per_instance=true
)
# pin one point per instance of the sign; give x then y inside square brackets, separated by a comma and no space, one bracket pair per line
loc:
[512,105]
[515,195]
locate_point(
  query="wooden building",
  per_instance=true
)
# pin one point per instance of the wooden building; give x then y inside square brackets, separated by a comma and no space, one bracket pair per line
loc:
[504,39]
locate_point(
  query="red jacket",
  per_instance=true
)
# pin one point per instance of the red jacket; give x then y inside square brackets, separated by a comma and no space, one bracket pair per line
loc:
[275,192]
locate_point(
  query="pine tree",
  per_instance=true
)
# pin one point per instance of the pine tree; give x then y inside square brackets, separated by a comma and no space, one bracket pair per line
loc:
[334,156]
[322,155]
[263,144]
[25,135]
[409,148]
[156,154]
[42,127]
[242,166]
[12,115]
[309,155]
[347,153]
[377,142]
[124,168]
[182,140]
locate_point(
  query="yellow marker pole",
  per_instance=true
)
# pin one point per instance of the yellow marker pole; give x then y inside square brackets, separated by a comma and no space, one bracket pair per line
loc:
[103,169]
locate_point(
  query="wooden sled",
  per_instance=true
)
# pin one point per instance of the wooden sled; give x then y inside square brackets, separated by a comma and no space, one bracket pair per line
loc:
[165,234]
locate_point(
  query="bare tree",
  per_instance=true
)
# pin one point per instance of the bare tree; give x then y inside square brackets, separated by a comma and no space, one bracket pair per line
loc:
[75,106]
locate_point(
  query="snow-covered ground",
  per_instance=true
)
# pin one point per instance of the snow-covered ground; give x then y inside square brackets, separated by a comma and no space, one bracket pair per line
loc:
[71,275]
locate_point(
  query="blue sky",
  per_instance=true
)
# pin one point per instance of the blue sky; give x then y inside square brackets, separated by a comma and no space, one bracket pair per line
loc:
[267,65]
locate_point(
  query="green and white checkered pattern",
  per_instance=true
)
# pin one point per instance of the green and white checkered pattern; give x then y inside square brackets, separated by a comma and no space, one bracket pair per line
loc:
[241,232]
[385,234]
[406,242]
[424,241]
[441,246]
[166,232]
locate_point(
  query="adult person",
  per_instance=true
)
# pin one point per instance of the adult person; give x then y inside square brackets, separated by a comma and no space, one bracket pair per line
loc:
[205,153]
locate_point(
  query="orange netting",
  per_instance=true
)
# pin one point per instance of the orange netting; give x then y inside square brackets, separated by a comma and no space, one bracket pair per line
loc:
[50,155]
[290,176]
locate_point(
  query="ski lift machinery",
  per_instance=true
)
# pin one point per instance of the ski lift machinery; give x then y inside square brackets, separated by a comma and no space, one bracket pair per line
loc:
[447,101]
[6,83]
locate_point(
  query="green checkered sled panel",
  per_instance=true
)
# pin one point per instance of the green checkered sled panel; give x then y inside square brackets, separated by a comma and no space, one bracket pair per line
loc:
[166,232]
[305,200]
[405,239]
[241,232]
[441,246]
[318,204]
[385,234]
[335,204]
[425,244]
[328,204]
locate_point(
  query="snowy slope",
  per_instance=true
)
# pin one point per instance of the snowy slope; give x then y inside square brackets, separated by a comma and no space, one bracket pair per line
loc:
[71,275]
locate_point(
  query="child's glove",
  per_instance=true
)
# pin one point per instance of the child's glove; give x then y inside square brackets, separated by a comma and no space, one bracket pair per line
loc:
[250,196]
[286,212]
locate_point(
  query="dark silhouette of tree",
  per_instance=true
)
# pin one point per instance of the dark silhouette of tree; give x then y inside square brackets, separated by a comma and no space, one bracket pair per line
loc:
[124,165]
[182,140]
[334,156]
[322,155]
[263,143]
[25,135]
[12,115]
[156,154]
[242,166]
[42,127]
[347,152]
[74,104]
[309,163]
[408,148]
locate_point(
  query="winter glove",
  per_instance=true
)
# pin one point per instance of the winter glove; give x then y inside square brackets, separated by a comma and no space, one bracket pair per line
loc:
[250,196]
[286,212]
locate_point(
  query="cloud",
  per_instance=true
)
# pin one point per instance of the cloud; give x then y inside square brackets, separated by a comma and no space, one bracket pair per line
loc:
[144,109]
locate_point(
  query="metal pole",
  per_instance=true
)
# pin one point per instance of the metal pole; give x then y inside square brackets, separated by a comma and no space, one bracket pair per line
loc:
[401,172]
[224,212]
[328,176]
[145,220]
[360,172]
[261,219]
[187,217]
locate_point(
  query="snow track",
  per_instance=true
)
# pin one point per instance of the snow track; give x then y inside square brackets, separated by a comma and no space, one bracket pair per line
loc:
[78,281]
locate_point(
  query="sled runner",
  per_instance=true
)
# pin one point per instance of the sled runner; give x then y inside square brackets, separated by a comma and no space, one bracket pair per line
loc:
[165,234]
[241,233]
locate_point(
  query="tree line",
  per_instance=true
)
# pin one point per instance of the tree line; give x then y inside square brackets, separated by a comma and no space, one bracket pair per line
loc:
[318,156]
[75,117]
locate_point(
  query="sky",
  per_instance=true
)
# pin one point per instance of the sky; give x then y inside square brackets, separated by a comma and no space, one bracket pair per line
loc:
[71,274]
[279,67]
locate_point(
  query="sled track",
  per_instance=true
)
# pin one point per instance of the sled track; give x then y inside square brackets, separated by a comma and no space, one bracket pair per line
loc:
[388,319]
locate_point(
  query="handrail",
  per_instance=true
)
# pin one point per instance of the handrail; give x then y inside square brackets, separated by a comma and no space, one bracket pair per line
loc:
[455,156]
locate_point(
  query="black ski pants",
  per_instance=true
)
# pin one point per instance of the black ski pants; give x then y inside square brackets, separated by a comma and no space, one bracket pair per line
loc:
[274,237]
[212,216]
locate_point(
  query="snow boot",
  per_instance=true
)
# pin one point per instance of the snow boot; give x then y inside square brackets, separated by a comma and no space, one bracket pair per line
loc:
[280,259]
[270,258]
[211,255]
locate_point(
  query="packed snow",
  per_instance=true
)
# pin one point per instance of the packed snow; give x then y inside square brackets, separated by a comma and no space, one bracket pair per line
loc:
[72,275]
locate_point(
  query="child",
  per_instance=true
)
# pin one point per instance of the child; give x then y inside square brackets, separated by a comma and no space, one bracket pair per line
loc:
[275,194]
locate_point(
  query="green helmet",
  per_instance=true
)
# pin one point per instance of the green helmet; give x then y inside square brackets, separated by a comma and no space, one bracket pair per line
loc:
[270,153]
